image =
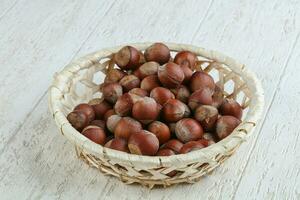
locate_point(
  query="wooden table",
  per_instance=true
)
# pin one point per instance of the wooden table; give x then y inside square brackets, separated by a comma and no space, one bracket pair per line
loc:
[37,38]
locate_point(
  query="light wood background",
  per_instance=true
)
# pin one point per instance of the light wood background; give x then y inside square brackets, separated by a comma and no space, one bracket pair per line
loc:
[39,37]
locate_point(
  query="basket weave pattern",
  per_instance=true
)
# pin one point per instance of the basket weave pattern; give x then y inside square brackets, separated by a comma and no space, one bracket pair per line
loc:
[233,78]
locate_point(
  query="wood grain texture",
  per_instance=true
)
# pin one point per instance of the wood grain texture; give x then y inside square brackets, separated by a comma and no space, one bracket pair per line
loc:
[38,163]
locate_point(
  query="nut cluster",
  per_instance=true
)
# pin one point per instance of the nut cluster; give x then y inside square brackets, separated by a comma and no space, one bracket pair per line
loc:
[155,105]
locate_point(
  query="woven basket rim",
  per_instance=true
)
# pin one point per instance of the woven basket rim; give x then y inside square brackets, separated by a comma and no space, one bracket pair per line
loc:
[60,84]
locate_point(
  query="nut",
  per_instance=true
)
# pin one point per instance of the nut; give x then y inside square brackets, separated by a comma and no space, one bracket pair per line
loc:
[231,107]
[186,58]
[225,126]
[173,110]
[111,91]
[201,80]
[188,129]
[127,126]
[200,97]
[150,82]
[143,143]
[78,119]
[112,122]
[117,144]
[170,75]
[87,109]
[114,75]
[139,92]
[160,130]
[100,107]
[148,68]
[99,123]
[187,111]
[157,52]
[129,82]
[145,110]
[206,142]
[172,127]
[174,144]
[188,73]
[124,105]
[165,152]
[217,97]
[182,93]
[161,95]
[207,116]
[108,114]
[191,146]
[127,58]
[95,134]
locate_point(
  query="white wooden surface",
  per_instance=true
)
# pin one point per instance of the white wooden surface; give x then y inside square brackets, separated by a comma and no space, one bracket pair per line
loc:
[39,37]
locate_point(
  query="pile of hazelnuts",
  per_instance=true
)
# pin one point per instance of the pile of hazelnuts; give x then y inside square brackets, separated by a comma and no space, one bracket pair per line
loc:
[155,105]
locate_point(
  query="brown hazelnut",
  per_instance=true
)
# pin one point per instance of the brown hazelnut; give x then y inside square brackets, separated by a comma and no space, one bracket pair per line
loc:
[150,82]
[129,82]
[206,142]
[172,127]
[87,109]
[201,80]
[109,113]
[99,123]
[142,58]
[187,73]
[117,144]
[111,91]
[225,126]
[182,93]
[186,58]
[208,136]
[127,58]
[217,97]
[139,91]
[165,152]
[187,111]
[207,116]
[112,122]
[200,97]
[231,107]
[174,144]
[173,110]
[191,146]
[157,52]
[161,131]
[114,75]
[95,134]
[124,105]
[161,95]
[78,119]
[188,129]
[170,75]
[145,110]
[148,68]
[100,107]
[143,143]
[127,126]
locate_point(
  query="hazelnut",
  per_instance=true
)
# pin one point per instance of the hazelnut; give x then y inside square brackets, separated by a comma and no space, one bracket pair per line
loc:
[78,119]
[173,110]
[112,122]
[145,110]
[111,91]
[201,80]
[87,110]
[139,91]
[187,111]
[142,58]
[124,105]
[109,113]
[95,134]
[148,68]
[188,129]
[208,136]
[174,144]
[170,75]
[225,126]
[172,127]
[207,116]
[99,123]
[191,146]
[182,93]
[161,95]
[100,107]
[217,97]
[206,142]
[143,143]
[114,75]
[150,82]
[117,144]
[187,73]
[127,126]
[129,82]
[127,58]
[161,131]
[186,58]
[200,97]
[158,52]
[231,107]
[165,152]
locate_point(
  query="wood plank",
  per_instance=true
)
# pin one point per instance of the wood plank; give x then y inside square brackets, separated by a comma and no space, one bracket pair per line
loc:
[33,47]
[6,6]
[274,167]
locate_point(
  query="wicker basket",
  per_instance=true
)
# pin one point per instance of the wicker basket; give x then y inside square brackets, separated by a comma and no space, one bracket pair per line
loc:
[235,80]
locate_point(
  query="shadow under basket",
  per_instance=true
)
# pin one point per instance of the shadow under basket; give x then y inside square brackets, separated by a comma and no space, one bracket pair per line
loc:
[79,82]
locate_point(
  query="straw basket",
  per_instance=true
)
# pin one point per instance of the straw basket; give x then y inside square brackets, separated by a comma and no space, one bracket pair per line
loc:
[232,77]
